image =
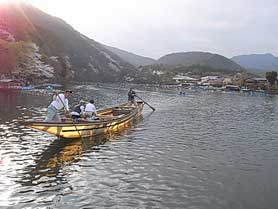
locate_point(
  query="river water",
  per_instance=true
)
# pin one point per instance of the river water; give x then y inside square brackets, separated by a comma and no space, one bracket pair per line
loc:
[202,150]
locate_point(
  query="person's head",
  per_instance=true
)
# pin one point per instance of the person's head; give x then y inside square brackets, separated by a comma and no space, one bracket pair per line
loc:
[68,93]
[92,101]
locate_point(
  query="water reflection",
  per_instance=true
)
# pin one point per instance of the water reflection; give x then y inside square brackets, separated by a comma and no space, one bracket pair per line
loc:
[58,154]
[8,103]
[48,173]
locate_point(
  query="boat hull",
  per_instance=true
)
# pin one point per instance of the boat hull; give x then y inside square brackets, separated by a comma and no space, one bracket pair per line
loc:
[108,122]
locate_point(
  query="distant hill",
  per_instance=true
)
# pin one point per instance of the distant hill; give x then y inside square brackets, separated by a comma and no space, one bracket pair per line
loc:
[133,59]
[214,61]
[257,62]
[31,39]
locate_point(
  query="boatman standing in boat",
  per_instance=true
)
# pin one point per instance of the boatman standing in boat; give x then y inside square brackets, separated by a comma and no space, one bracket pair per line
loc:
[131,96]
[60,102]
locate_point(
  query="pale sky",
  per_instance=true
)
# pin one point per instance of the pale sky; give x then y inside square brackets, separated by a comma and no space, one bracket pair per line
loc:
[154,28]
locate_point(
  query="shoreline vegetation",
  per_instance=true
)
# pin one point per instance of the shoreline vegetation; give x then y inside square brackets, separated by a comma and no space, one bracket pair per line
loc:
[181,83]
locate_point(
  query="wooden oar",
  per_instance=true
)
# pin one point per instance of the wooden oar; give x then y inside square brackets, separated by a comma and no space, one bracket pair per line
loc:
[146,103]
[71,118]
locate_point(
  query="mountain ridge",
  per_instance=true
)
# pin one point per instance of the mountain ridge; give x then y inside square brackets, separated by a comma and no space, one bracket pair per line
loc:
[179,58]
[71,54]
[199,58]
[133,58]
[257,62]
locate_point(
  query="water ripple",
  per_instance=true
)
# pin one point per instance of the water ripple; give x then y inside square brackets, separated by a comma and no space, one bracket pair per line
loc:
[208,150]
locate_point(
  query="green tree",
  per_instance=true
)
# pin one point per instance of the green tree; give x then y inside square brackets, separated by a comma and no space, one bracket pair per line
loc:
[271,77]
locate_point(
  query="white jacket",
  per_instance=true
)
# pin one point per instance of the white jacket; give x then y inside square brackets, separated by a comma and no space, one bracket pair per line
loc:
[60,102]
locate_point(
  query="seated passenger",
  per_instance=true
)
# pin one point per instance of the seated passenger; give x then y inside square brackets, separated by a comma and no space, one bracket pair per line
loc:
[90,110]
[78,110]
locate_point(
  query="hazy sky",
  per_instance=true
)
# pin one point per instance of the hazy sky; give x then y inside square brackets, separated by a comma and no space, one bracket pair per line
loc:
[157,27]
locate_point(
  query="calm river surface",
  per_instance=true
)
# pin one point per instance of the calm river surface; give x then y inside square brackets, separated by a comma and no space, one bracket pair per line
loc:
[204,150]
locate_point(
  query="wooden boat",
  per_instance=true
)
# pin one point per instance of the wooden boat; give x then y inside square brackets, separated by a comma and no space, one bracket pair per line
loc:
[108,120]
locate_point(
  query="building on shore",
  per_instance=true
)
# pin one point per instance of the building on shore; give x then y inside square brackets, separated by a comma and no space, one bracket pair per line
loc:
[10,84]
[256,83]
[185,80]
[215,81]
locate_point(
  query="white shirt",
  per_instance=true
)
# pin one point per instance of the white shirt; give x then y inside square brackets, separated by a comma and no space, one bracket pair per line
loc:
[60,102]
[82,108]
[91,108]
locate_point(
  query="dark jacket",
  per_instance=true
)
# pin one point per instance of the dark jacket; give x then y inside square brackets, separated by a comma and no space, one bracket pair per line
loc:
[77,108]
[131,95]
